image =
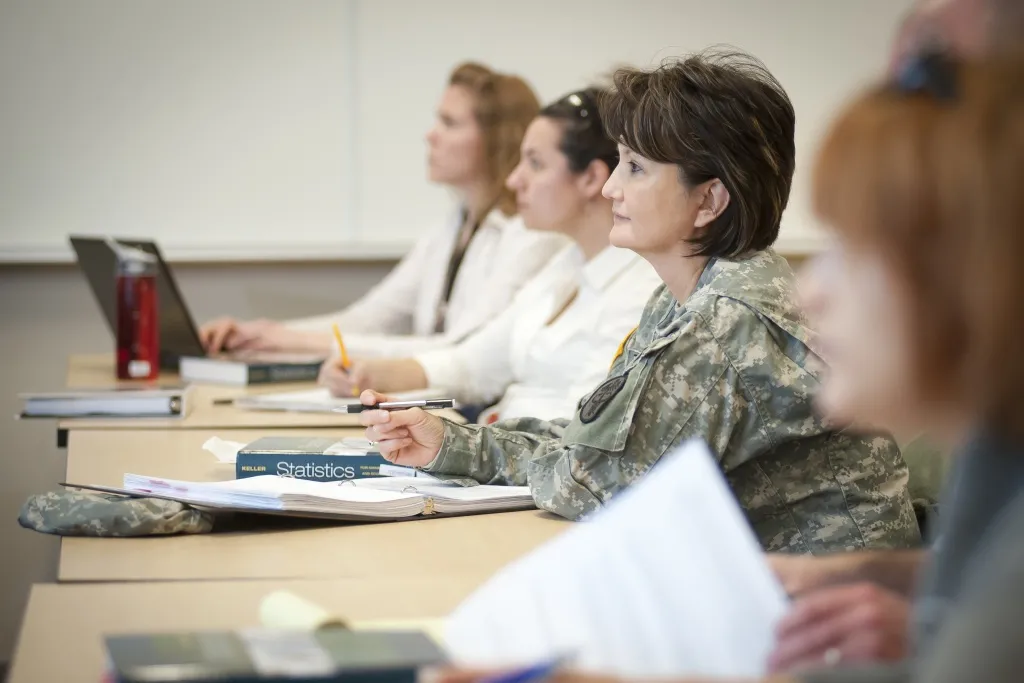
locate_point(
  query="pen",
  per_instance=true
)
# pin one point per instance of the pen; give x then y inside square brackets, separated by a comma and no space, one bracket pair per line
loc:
[530,674]
[435,404]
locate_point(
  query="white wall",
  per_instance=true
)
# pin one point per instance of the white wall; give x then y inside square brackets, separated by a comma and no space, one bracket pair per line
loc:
[294,129]
[222,127]
[821,51]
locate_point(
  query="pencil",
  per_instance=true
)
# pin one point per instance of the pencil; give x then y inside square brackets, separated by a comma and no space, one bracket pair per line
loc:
[345,363]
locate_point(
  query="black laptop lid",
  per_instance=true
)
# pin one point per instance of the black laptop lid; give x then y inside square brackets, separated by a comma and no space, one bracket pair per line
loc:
[178,336]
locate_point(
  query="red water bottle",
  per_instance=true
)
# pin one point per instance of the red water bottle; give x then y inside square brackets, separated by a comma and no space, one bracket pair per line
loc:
[138,324]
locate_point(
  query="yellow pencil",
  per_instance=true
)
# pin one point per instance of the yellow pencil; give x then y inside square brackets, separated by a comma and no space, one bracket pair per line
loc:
[345,363]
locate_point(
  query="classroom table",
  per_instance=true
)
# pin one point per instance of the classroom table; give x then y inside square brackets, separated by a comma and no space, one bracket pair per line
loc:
[475,545]
[61,633]
[97,371]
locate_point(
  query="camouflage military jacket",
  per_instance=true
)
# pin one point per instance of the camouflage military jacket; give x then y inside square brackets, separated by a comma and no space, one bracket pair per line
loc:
[732,366]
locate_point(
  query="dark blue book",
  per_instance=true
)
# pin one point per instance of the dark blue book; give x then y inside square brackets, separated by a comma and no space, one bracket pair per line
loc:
[331,655]
[308,457]
[250,368]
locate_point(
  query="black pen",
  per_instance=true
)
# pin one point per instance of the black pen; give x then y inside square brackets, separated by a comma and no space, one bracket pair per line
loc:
[435,404]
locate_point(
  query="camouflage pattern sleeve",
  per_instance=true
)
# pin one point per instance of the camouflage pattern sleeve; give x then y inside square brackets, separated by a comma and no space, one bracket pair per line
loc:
[82,513]
[498,453]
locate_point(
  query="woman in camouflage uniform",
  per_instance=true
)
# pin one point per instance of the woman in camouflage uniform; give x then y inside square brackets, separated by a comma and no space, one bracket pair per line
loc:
[721,352]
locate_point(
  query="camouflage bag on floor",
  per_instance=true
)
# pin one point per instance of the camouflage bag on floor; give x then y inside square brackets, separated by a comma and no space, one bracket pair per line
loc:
[77,513]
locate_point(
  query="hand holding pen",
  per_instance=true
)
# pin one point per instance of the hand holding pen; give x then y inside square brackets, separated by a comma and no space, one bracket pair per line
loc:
[411,437]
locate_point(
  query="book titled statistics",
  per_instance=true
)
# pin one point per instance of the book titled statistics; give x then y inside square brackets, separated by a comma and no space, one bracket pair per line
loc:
[308,457]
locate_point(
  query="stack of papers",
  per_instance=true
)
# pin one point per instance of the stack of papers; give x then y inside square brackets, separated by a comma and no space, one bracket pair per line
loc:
[319,400]
[388,498]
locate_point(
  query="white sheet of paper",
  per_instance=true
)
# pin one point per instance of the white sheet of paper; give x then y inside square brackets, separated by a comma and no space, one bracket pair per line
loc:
[667,580]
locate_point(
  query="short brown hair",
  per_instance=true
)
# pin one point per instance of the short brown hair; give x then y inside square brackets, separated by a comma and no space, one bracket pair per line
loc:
[715,114]
[932,185]
[504,107]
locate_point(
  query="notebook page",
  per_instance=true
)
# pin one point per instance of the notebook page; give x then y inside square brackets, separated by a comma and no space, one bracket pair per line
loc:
[667,580]
[475,493]
[318,395]
[401,483]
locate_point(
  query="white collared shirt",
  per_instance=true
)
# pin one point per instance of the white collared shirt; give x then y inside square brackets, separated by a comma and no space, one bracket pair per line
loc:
[398,316]
[539,369]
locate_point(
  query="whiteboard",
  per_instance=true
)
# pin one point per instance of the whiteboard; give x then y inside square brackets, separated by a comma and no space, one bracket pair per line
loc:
[294,129]
[221,128]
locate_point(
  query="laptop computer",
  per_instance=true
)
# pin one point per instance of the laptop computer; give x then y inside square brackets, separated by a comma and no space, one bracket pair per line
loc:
[179,336]
[178,333]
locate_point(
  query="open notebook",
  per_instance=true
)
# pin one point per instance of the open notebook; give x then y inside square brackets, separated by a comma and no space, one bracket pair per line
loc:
[391,498]
[318,400]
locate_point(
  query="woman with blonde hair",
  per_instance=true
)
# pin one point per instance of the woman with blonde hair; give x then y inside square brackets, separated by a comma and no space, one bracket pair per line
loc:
[461,273]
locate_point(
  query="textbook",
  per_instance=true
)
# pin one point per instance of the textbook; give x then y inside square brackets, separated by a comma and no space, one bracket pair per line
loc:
[308,457]
[241,369]
[140,402]
[383,498]
[257,655]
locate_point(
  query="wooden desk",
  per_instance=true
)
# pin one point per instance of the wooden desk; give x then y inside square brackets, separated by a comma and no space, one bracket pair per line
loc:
[98,372]
[61,634]
[476,546]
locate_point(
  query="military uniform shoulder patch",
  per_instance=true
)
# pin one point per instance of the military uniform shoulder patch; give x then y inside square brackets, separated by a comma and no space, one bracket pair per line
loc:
[601,397]
[622,345]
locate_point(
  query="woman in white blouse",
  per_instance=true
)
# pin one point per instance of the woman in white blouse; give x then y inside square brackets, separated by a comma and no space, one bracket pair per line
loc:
[558,338]
[459,275]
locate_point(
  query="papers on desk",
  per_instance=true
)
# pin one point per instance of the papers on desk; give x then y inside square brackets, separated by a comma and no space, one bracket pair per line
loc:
[361,499]
[668,580]
[318,400]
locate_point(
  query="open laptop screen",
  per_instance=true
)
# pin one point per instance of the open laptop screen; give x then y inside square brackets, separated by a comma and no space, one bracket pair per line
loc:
[178,336]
